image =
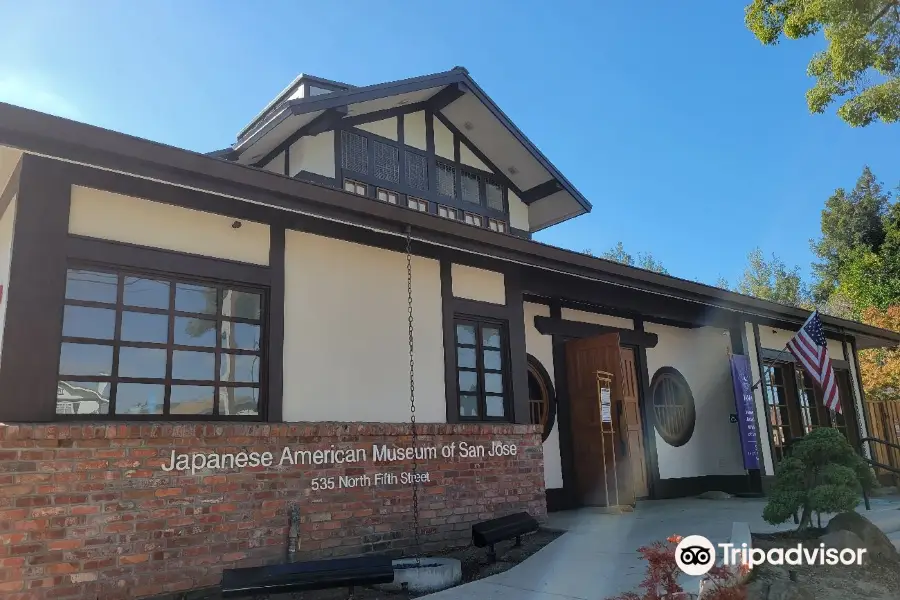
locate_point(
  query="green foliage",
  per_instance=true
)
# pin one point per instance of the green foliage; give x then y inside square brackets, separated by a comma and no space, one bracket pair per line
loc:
[644,260]
[861,62]
[771,280]
[850,222]
[821,474]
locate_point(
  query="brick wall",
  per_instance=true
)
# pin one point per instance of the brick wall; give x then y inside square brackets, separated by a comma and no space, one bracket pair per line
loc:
[88,511]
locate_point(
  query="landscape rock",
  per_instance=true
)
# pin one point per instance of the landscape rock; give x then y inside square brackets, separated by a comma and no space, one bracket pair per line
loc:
[842,539]
[874,540]
[788,590]
[715,495]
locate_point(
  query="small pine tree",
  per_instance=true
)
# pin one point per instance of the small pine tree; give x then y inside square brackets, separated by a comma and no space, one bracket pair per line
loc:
[821,474]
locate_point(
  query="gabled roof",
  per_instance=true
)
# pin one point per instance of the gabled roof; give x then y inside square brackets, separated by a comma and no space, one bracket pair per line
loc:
[462,102]
[68,140]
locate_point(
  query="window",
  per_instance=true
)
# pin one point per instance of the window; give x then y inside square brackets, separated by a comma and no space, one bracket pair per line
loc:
[416,204]
[541,400]
[496,225]
[447,212]
[387,162]
[673,406]
[795,405]
[354,152]
[470,186]
[481,369]
[473,219]
[494,195]
[355,187]
[386,196]
[416,171]
[446,180]
[147,345]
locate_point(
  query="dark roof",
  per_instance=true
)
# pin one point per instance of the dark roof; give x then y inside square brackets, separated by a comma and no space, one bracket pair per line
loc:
[54,136]
[457,75]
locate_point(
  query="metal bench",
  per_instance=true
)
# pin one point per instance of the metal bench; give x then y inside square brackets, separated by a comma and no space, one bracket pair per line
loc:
[488,533]
[311,575]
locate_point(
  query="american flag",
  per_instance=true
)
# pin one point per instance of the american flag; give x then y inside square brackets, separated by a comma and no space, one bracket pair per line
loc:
[809,347]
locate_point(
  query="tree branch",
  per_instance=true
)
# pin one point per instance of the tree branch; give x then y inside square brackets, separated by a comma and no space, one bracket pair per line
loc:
[892,4]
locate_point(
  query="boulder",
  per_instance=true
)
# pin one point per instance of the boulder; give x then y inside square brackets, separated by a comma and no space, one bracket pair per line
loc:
[842,539]
[874,540]
[788,590]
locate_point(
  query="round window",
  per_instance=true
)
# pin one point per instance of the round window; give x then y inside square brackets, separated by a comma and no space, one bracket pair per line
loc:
[674,413]
[541,400]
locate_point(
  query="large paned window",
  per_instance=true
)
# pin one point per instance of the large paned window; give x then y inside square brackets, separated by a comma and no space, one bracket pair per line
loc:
[795,405]
[482,369]
[138,344]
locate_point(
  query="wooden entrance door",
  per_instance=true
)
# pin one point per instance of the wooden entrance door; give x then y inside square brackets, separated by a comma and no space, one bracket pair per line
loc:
[601,474]
[633,425]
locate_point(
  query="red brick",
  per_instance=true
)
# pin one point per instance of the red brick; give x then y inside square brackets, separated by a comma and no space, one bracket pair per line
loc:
[134,559]
[65,544]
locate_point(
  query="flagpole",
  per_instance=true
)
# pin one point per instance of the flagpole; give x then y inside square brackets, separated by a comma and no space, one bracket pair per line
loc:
[767,364]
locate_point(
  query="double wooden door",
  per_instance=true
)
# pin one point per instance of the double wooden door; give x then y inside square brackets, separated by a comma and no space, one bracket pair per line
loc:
[609,457]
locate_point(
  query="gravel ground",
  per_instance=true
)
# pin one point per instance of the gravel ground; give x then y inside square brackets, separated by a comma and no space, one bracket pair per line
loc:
[475,565]
[876,579]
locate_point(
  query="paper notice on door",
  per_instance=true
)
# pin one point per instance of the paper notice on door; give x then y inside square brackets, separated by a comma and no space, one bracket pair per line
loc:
[605,406]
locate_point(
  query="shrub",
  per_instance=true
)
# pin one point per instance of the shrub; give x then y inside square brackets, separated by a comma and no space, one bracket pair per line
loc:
[661,580]
[821,474]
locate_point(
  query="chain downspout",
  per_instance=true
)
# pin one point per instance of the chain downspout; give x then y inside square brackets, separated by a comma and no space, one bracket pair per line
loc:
[412,396]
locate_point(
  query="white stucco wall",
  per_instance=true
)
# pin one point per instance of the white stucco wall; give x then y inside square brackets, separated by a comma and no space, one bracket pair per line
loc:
[105,215]
[701,355]
[478,284]
[276,165]
[518,212]
[386,128]
[467,157]
[570,314]
[314,154]
[7,226]
[443,140]
[414,130]
[541,347]
[765,448]
[857,397]
[346,345]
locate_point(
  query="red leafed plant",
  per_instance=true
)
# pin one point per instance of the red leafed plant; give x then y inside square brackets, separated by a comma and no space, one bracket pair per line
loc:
[661,581]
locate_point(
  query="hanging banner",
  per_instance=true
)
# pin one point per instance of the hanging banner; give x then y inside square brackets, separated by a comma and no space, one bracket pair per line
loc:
[743,402]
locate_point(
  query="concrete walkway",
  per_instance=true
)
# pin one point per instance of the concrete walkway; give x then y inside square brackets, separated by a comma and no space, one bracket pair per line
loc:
[597,557]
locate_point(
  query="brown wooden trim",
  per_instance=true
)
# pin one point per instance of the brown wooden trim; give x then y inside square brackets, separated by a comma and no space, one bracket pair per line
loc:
[11,188]
[515,315]
[859,382]
[274,389]
[36,287]
[450,382]
[58,137]
[760,365]
[576,329]
[647,417]
[564,414]
[122,255]
[771,356]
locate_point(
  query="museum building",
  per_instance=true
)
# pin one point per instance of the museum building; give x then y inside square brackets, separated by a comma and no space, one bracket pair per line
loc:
[204,355]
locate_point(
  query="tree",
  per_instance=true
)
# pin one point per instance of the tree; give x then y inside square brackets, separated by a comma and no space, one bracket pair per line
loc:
[861,63]
[880,367]
[772,280]
[850,221]
[821,474]
[644,260]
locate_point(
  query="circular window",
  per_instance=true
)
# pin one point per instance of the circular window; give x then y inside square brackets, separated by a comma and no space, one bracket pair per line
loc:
[674,413]
[541,400]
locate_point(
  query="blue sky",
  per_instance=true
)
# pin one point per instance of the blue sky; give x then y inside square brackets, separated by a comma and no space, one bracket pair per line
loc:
[691,140]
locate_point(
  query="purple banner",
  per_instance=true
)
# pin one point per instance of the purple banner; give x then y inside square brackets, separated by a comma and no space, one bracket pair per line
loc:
[743,402]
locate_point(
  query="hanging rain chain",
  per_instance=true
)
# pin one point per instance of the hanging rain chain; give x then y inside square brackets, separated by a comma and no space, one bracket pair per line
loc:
[412,393]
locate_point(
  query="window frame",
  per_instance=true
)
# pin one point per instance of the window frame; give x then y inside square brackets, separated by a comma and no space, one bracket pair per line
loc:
[480,323]
[430,194]
[119,308]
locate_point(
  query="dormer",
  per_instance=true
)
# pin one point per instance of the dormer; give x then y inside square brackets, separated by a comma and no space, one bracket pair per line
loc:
[436,143]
